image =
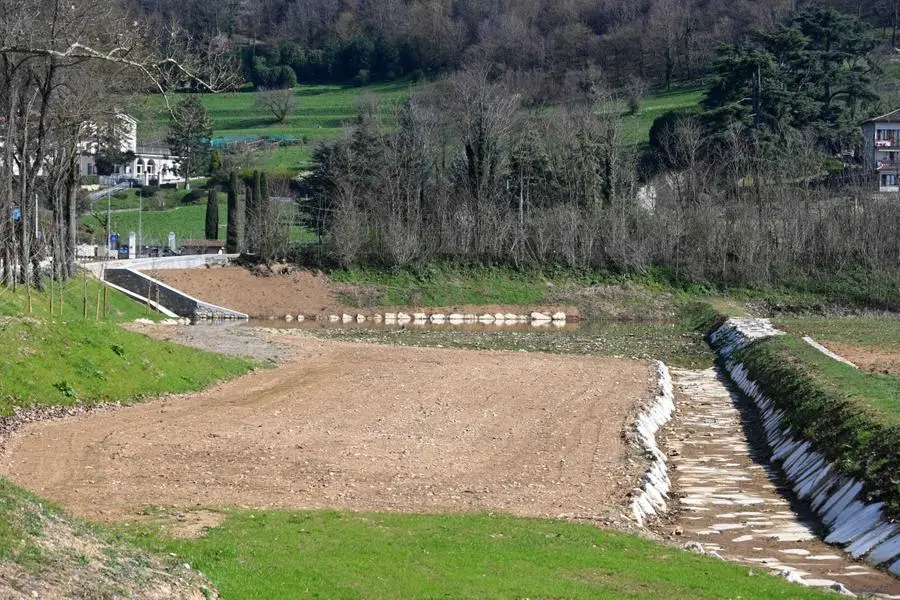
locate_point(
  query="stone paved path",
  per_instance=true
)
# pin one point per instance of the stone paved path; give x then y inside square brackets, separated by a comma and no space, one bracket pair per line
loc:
[732,501]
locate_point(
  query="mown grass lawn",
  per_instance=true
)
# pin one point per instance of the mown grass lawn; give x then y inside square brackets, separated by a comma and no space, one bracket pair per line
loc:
[187,221]
[336,555]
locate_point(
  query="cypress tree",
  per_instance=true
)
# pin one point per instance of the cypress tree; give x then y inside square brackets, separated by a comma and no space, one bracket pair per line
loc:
[232,242]
[212,215]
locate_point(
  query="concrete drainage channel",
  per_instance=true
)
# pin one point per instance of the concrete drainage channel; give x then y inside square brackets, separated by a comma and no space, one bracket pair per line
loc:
[735,504]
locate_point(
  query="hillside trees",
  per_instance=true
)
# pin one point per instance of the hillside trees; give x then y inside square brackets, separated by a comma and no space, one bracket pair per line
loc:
[558,187]
[815,73]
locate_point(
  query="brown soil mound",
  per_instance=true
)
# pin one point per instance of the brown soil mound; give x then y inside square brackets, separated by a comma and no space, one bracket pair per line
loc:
[357,427]
[869,358]
[261,293]
[296,292]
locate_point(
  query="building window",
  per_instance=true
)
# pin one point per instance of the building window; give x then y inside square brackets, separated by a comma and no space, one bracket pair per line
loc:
[888,180]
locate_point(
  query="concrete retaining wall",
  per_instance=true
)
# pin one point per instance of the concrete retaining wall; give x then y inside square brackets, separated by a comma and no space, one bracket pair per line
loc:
[861,528]
[651,498]
[174,300]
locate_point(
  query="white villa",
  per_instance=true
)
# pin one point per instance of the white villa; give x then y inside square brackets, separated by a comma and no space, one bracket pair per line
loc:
[149,162]
[881,150]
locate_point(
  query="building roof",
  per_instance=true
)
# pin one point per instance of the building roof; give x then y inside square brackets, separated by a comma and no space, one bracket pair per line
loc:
[891,117]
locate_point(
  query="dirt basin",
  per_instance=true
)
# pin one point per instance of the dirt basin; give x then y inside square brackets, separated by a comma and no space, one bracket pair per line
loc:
[357,427]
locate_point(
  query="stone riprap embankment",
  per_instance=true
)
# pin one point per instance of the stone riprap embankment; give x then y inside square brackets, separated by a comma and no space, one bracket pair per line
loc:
[860,527]
[733,503]
[651,499]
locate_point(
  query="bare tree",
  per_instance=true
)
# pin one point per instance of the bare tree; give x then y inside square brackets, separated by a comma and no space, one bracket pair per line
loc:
[61,68]
[280,103]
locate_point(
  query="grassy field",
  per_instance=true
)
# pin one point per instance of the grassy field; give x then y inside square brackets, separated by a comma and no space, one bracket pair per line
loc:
[876,331]
[636,128]
[282,554]
[187,221]
[67,359]
[321,113]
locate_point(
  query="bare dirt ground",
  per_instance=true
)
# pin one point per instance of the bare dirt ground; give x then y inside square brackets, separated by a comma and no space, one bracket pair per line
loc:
[297,292]
[294,292]
[868,358]
[357,427]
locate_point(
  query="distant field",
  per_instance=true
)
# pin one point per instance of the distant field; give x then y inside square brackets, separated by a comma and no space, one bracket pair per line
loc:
[321,112]
[637,128]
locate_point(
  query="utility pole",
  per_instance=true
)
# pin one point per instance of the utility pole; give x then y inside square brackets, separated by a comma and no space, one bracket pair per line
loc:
[140,236]
[108,226]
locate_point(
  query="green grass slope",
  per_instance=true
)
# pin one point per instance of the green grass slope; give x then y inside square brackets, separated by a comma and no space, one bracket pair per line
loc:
[68,359]
[46,554]
[322,111]
[283,554]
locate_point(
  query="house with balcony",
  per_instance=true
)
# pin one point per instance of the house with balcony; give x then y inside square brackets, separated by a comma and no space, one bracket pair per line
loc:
[148,162]
[881,150]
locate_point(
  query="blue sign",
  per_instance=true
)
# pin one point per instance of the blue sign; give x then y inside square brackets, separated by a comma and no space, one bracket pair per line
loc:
[17,214]
[113,241]
[123,251]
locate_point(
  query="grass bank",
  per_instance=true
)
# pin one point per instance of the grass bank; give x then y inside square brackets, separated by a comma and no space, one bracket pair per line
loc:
[46,554]
[851,416]
[282,554]
[68,359]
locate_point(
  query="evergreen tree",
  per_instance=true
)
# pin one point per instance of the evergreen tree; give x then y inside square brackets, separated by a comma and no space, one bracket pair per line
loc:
[212,215]
[235,216]
[813,74]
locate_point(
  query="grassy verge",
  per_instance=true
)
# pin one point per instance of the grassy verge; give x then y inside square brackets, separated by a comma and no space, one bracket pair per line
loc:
[66,360]
[280,554]
[851,416]
[869,331]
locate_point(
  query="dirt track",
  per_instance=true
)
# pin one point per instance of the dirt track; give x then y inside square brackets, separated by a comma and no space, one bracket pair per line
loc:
[357,427]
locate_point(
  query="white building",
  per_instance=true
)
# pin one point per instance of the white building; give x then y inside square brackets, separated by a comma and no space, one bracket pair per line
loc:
[881,150]
[149,162]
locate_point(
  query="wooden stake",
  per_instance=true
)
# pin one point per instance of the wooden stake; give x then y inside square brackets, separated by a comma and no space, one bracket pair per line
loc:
[84,299]
[98,303]
[105,301]
[51,296]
